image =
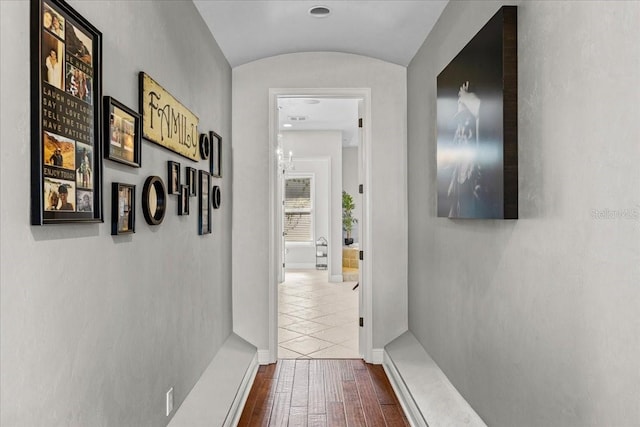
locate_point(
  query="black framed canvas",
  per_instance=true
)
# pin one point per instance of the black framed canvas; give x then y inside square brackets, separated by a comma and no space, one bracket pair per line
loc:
[204,203]
[192,181]
[173,177]
[121,136]
[215,159]
[123,208]
[66,93]
[477,110]
[183,201]
[154,200]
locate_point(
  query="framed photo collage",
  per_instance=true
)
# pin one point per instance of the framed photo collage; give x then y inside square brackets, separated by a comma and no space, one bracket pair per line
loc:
[74,126]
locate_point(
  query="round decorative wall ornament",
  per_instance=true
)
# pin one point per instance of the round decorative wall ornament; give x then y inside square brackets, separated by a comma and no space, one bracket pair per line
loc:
[154,200]
[215,199]
[205,147]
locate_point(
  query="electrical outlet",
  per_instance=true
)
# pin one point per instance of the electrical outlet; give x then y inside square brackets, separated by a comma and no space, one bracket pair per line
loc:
[169,401]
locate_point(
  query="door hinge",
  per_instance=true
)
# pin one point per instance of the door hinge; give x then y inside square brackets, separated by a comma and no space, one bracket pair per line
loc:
[361,255]
[361,322]
[360,122]
[361,189]
[283,265]
[284,234]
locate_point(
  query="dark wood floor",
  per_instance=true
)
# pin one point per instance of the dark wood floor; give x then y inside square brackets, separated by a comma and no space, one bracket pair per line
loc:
[316,393]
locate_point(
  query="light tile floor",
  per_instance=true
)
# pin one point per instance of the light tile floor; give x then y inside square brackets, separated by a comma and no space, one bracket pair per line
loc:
[317,319]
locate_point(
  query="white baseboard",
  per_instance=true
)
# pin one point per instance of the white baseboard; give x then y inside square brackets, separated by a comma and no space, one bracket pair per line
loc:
[377,356]
[228,377]
[402,392]
[264,357]
[336,278]
[235,412]
[300,266]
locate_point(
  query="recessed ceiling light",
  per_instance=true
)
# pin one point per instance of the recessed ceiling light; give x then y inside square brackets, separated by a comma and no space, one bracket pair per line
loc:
[319,11]
[287,125]
[312,101]
[297,118]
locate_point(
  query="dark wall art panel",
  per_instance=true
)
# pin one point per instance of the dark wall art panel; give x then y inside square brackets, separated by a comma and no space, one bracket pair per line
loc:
[477,160]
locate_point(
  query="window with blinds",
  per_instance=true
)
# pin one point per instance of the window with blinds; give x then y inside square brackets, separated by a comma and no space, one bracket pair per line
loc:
[298,212]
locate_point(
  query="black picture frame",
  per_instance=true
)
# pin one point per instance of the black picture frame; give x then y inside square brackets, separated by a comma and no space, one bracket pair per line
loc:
[66,107]
[205,146]
[183,201]
[192,181]
[123,208]
[173,177]
[215,197]
[121,133]
[215,160]
[154,200]
[204,203]
[477,118]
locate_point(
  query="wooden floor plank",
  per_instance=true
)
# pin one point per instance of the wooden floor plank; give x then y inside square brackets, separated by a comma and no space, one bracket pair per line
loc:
[316,389]
[250,404]
[393,416]
[280,411]
[381,385]
[272,370]
[345,370]
[300,395]
[264,403]
[317,420]
[332,381]
[352,405]
[358,364]
[370,406]
[318,393]
[285,376]
[336,415]
[298,416]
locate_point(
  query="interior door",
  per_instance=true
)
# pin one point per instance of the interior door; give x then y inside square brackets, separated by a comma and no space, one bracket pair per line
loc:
[361,237]
[281,233]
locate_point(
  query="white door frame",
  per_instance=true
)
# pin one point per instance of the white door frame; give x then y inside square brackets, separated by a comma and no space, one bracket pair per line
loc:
[275,213]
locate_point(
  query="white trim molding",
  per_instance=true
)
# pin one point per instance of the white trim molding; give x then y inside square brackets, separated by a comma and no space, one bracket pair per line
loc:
[235,412]
[264,357]
[229,377]
[409,406]
[337,278]
[425,393]
[366,293]
[377,356]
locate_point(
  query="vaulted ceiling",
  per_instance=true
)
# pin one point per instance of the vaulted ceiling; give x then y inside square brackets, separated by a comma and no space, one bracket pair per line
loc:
[391,30]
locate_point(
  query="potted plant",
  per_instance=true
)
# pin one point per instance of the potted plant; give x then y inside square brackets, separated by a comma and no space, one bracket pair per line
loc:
[347,216]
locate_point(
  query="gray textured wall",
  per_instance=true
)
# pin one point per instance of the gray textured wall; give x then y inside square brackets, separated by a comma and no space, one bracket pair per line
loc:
[536,321]
[95,328]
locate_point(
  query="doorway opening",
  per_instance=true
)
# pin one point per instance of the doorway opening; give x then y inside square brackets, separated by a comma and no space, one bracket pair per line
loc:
[319,138]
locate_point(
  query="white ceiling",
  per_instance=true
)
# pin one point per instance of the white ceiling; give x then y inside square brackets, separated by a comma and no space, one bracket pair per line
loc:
[390,30]
[321,114]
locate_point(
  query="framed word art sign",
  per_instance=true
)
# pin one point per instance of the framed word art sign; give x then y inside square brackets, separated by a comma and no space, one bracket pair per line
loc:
[166,121]
[66,150]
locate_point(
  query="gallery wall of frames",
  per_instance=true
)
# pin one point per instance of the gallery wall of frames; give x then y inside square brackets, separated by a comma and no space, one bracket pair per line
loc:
[74,127]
